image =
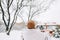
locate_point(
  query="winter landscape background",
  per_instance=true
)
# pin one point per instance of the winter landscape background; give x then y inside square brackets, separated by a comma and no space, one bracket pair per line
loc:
[51,17]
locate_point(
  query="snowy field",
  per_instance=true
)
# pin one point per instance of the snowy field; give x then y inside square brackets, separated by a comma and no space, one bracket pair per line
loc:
[14,35]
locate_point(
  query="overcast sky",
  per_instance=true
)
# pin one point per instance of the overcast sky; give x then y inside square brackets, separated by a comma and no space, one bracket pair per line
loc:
[51,15]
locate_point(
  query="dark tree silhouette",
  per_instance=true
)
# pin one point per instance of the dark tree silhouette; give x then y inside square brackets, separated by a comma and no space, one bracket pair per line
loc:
[6,14]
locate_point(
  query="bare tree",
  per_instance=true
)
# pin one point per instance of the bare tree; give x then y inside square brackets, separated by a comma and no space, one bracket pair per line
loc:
[6,14]
[34,9]
[37,7]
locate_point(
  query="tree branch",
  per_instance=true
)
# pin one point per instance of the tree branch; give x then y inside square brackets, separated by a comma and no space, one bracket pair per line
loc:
[8,14]
[3,16]
[29,13]
[11,3]
[43,7]
[13,22]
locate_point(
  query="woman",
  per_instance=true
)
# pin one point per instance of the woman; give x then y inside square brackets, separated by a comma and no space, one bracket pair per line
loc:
[33,34]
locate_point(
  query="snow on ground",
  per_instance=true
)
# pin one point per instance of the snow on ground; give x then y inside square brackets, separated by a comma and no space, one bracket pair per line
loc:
[53,38]
[14,35]
[15,27]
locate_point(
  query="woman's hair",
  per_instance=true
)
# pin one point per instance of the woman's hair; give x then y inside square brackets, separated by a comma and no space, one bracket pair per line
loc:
[31,24]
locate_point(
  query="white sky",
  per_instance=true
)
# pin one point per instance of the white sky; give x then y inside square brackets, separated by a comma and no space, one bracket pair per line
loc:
[51,15]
